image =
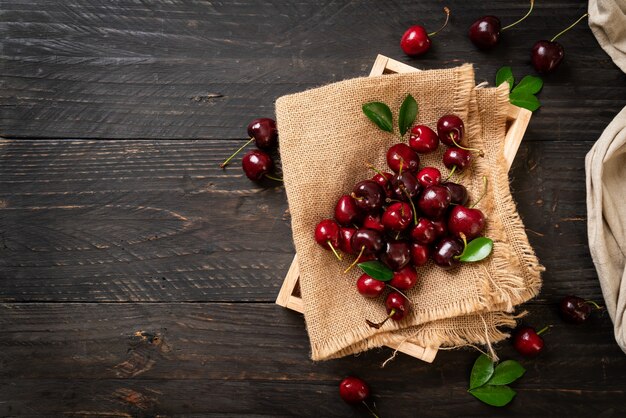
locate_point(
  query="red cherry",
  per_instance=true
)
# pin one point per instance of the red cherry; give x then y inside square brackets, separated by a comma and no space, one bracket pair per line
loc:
[396,254]
[368,196]
[401,155]
[423,139]
[327,234]
[546,56]
[415,41]
[404,279]
[256,164]
[345,239]
[528,342]
[346,211]
[450,127]
[370,287]
[397,217]
[428,176]
[445,252]
[264,132]
[424,232]
[419,254]
[467,221]
[434,201]
[456,157]
[384,180]
[353,390]
[441,227]
[373,222]
[485,32]
[397,305]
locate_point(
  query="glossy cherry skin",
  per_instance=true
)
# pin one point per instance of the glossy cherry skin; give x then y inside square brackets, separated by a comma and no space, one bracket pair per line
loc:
[458,157]
[419,254]
[353,390]
[396,254]
[384,180]
[574,309]
[256,164]
[441,227]
[485,32]
[405,186]
[397,217]
[423,232]
[345,239]
[373,222]
[448,127]
[415,41]
[434,201]
[468,221]
[347,212]
[368,196]
[428,176]
[368,238]
[458,193]
[404,279]
[398,304]
[423,140]
[327,231]
[402,154]
[527,342]
[546,56]
[370,287]
[264,132]
[445,251]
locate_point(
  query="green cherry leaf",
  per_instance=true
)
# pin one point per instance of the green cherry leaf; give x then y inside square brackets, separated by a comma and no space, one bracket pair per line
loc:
[376,270]
[380,114]
[494,395]
[529,84]
[481,372]
[407,115]
[506,372]
[477,249]
[525,100]
[505,74]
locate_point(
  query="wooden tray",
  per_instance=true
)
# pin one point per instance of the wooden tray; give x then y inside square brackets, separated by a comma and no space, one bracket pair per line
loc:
[517,122]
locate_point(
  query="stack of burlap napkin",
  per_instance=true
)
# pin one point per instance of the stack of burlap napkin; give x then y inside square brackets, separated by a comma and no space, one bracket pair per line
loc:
[326,141]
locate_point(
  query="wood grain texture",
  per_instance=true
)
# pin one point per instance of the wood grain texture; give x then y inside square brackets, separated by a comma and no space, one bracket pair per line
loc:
[213,359]
[159,221]
[182,69]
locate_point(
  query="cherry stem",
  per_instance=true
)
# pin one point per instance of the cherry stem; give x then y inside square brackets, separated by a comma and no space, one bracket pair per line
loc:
[544,329]
[411,203]
[464,238]
[446,10]
[352,195]
[401,165]
[370,409]
[380,324]
[225,163]
[355,261]
[484,192]
[569,27]
[451,173]
[479,151]
[334,251]
[273,178]
[532,4]
[590,302]
[371,167]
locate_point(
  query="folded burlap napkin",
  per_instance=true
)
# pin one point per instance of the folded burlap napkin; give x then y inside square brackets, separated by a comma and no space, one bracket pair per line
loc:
[326,141]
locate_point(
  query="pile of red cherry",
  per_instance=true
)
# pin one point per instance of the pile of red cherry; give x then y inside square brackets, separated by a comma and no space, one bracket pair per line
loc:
[400,220]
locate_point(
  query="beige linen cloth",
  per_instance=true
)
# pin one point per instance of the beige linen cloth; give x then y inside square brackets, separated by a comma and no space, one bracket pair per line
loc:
[607,20]
[326,141]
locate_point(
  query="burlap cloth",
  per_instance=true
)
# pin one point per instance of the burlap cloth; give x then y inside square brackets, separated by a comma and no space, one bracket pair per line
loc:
[325,142]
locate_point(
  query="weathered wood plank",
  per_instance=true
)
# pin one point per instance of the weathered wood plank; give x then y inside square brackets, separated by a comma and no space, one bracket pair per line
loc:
[159,221]
[168,69]
[240,359]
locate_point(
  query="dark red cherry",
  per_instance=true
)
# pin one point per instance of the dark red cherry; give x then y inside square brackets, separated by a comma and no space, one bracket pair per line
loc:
[369,239]
[485,32]
[528,342]
[353,390]
[368,195]
[404,279]
[445,252]
[428,176]
[574,309]
[546,56]
[384,180]
[373,222]
[402,155]
[467,221]
[405,186]
[397,217]
[456,157]
[419,254]
[415,41]
[423,232]
[347,211]
[434,201]
[450,127]
[264,132]
[345,239]
[441,227]
[396,254]
[370,287]
[423,139]
[397,305]
[256,164]
[327,234]
[458,193]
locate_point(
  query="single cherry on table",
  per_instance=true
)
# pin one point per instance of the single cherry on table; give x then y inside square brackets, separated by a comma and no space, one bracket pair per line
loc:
[576,310]
[546,55]
[416,41]
[528,342]
[485,31]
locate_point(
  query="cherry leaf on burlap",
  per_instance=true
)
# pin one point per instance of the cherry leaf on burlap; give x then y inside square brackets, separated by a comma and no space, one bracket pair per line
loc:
[407,114]
[380,114]
[476,250]
[376,270]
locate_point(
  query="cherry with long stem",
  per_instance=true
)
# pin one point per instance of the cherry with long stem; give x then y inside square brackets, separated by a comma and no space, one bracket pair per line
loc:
[380,324]
[569,27]
[478,151]
[332,248]
[485,183]
[532,4]
[356,261]
[446,10]
[227,161]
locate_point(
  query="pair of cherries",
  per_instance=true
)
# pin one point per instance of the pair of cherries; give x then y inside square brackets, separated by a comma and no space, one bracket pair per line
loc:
[258,164]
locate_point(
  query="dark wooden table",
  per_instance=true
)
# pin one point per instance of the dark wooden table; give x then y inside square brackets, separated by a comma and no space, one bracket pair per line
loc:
[138,279]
